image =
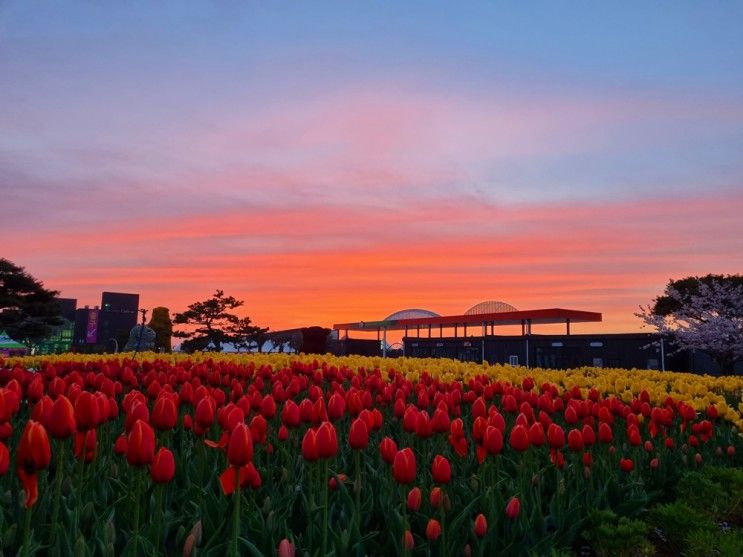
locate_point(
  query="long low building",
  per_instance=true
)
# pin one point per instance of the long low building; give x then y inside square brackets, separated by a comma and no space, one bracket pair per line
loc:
[473,337]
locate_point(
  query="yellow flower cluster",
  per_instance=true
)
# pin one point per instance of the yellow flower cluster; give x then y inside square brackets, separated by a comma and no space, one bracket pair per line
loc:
[700,391]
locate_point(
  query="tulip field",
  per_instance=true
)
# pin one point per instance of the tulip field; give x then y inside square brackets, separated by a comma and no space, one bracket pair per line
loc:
[318,455]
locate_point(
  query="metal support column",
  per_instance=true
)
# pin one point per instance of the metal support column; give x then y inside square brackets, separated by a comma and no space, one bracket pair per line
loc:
[567,325]
[384,343]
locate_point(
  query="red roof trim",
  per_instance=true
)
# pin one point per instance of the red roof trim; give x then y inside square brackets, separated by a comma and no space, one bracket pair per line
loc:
[536,316]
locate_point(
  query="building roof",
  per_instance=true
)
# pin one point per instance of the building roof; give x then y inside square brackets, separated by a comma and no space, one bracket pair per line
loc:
[534,317]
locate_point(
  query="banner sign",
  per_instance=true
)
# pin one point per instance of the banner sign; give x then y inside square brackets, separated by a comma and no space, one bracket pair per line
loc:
[91,333]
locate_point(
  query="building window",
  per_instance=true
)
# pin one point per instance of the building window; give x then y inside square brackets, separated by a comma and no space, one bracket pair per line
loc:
[557,344]
[513,360]
[598,362]
[597,344]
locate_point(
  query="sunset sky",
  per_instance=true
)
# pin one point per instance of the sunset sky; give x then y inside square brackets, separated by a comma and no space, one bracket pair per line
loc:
[333,162]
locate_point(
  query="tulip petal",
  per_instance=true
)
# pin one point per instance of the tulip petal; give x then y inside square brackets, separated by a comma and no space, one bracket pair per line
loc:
[228,480]
[30,484]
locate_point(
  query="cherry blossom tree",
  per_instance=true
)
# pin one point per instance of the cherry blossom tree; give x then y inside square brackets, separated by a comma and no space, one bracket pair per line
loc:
[702,313]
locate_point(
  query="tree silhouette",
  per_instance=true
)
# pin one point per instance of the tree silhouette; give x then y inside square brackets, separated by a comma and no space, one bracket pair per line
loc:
[209,322]
[28,311]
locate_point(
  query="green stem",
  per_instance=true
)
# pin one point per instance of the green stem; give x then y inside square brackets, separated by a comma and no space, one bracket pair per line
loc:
[236,512]
[57,495]
[404,550]
[310,518]
[27,532]
[357,462]
[137,497]
[158,513]
[442,512]
[325,510]
[80,480]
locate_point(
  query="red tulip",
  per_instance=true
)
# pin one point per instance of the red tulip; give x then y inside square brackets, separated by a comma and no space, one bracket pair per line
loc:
[519,439]
[327,440]
[492,440]
[137,411]
[481,525]
[536,434]
[414,499]
[205,410]
[403,467]
[121,444]
[388,449]
[513,508]
[290,414]
[731,451]
[140,448]
[555,436]
[87,412]
[626,465]
[9,404]
[575,440]
[441,470]
[240,448]
[286,548]
[85,445]
[309,446]
[249,477]
[433,530]
[162,469]
[407,541]
[33,454]
[336,406]
[435,497]
[164,413]
[605,433]
[268,407]
[62,419]
[4,459]
[654,463]
[589,436]
[358,436]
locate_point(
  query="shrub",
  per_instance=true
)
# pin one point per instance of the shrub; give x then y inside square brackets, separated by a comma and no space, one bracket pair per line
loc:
[611,535]
[677,520]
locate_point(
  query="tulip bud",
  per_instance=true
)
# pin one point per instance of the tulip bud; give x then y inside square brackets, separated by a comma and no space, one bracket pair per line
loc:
[433,530]
[140,444]
[407,541]
[162,469]
[286,548]
[403,467]
[435,497]
[626,465]
[513,508]
[358,436]
[481,525]
[62,419]
[240,448]
[309,446]
[441,470]
[414,499]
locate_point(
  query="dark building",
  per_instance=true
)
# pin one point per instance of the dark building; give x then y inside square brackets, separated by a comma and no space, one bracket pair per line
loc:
[118,315]
[471,337]
[86,328]
[68,307]
[633,350]
[61,338]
